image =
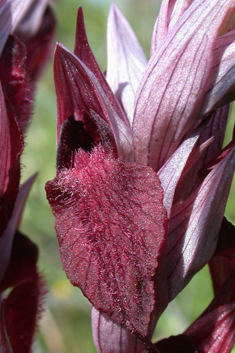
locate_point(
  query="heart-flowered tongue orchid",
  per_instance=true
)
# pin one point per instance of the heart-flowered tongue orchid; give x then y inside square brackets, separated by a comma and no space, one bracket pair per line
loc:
[142,179]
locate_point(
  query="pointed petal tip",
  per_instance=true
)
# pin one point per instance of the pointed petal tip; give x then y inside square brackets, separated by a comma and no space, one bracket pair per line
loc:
[114,9]
[60,51]
[56,55]
[113,6]
[80,17]
[60,47]
[57,46]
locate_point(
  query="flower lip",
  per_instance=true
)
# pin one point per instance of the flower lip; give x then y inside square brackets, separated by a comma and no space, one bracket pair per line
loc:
[110,214]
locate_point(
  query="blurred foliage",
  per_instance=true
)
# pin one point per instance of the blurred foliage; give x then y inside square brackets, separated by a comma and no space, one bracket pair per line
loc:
[66,326]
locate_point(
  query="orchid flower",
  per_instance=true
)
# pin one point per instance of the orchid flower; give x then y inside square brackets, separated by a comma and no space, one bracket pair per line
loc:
[19,66]
[142,180]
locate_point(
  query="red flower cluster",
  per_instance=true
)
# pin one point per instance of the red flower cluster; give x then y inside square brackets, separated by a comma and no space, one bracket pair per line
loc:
[142,180]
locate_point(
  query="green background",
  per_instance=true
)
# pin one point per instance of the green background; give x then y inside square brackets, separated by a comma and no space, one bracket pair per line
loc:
[66,325]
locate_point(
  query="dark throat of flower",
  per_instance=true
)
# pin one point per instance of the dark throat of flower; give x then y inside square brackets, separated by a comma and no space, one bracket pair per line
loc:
[82,134]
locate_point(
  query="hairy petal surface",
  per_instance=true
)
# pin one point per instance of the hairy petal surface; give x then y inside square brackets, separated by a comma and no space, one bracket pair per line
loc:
[126,60]
[195,225]
[111,226]
[169,98]
[78,92]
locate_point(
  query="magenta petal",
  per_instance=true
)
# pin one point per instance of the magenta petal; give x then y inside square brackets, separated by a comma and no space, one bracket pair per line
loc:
[126,60]
[111,227]
[214,332]
[220,89]
[222,263]
[22,262]
[8,235]
[169,14]
[226,242]
[78,92]
[11,12]
[214,129]
[17,89]
[19,315]
[195,225]
[225,295]
[30,19]
[160,29]
[39,46]
[220,269]
[171,171]
[109,337]
[5,146]
[83,51]
[169,98]
[178,10]
[11,146]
